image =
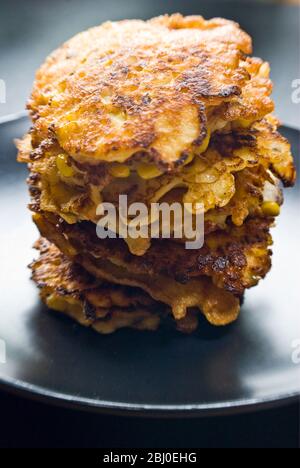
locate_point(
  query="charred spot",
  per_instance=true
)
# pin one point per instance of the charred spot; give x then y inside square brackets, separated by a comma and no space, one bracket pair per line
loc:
[126,103]
[220,264]
[36,154]
[146,99]
[151,156]
[76,271]
[156,158]
[182,278]
[203,125]
[244,139]
[225,143]
[238,259]
[235,288]
[89,311]
[34,191]
[33,178]
[34,207]
[183,157]
[51,128]
[125,70]
[144,140]
[196,86]
[232,90]
[204,260]
[199,83]
[62,291]
[40,284]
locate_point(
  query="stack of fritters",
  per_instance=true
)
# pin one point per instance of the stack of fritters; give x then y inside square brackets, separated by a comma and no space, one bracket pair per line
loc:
[173,109]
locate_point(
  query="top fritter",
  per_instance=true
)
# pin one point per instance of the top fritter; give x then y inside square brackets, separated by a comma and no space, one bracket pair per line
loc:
[156,87]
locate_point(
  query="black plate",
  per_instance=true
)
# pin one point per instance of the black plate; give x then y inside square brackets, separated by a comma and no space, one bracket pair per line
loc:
[245,366]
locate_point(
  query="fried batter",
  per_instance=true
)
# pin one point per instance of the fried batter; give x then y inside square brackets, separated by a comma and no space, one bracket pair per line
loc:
[169,110]
[68,288]
[162,84]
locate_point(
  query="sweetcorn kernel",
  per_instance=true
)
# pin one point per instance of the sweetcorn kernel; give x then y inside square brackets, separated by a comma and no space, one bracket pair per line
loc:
[271,208]
[264,71]
[243,123]
[189,159]
[148,171]
[120,171]
[205,142]
[63,166]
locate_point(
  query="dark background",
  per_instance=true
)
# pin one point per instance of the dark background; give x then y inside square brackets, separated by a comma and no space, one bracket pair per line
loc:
[29,30]
[26,424]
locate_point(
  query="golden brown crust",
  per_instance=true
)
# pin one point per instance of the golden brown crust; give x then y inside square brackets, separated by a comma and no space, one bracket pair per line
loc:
[179,92]
[149,87]
[229,178]
[66,287]
[235,259]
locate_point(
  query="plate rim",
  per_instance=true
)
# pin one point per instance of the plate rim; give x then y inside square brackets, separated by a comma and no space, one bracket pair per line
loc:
[9,118]
[225,408]
[41,394]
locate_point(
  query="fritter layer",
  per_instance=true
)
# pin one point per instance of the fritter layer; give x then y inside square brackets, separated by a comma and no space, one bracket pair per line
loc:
[154,87]
[68,288]
[233,178]
[232,260]
[106,307]
[171,109]
[236,259]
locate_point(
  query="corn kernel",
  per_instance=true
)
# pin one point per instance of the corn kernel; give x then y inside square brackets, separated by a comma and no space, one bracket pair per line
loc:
[205,143]
[64,166]
[189,159]
[120,171]
[264,71]
[243,123]
[148,171]
[271,208]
